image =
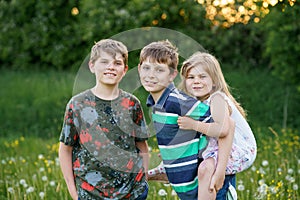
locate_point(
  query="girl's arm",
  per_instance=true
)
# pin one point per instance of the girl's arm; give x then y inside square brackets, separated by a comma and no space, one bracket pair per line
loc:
[144,152]
[65,159]
[223,126]
[220,114]
[225,146]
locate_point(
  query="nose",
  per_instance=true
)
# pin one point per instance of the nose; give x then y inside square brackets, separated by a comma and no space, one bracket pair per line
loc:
[110,66]
[151,73]
[197,80]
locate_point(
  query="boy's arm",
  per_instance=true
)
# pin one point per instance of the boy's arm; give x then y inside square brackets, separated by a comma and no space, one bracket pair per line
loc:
[144,152]
[65,159]
[225,146]
[220,114]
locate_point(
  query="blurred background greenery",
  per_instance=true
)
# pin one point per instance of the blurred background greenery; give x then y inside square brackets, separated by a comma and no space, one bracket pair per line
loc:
[44,43]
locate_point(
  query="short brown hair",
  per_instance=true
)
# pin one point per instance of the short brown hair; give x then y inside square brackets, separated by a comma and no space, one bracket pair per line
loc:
[163,52]
[109,46]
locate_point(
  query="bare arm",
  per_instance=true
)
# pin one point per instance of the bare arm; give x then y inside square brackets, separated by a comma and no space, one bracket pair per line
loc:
[225,146]
[220,114]
[65,159]
[144,152]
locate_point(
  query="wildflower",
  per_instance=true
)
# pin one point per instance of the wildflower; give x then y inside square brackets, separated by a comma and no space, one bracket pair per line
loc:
[3,162]
[42,169]
[263,189]
[261,181]
[44,178]
[265,163]
[34,176]
[41,156]
[262,171]
[279,170]
[52,183]
[253,168]
[290,178]
[12,160]
[162,192]
[290,171]
[273,189]
[22,182]
[42,195]
[241,187]
[295,187]
[280,184]
[30,189]
[10,190]
[57,161]
[173,193]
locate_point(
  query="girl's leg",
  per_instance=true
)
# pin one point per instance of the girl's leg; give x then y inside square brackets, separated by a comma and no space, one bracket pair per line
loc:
[205,171]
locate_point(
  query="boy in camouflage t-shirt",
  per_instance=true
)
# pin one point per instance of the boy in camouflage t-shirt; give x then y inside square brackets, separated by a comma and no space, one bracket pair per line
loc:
[103,150]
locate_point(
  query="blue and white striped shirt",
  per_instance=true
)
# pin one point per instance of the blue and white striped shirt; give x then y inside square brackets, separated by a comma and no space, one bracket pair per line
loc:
[180,149]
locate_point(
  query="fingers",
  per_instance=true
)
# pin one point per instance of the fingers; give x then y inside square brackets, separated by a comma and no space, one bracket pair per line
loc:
[212,185]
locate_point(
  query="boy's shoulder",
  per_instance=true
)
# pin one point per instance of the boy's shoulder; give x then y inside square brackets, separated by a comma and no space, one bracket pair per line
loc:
[180,95]
[85,95]
[128,95]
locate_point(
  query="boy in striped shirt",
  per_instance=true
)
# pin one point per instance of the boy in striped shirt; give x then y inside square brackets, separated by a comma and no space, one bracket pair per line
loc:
[180,149]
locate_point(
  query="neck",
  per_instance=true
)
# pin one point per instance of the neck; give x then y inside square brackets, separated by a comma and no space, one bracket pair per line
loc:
[106,92]
[156,95]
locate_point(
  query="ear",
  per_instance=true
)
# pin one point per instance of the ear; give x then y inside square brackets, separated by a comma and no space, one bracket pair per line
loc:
[125,69]
[173,75]
[91,66]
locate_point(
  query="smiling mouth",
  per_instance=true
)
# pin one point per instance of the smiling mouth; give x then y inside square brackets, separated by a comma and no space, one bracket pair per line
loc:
[197,88]
[110,74]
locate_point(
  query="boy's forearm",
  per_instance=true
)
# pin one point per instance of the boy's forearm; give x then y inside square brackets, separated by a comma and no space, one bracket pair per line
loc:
[144,152]
[65,159]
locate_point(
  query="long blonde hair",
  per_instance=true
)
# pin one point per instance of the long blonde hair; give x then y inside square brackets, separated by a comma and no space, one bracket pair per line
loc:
[211,65]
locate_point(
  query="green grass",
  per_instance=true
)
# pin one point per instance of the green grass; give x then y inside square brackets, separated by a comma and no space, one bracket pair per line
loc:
[29,168]
[32,105]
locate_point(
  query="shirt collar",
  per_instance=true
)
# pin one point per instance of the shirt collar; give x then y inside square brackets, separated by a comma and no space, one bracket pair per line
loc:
[161,101]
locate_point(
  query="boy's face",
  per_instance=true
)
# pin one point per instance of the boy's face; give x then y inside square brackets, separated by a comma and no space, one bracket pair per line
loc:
[108,69]
[155,77]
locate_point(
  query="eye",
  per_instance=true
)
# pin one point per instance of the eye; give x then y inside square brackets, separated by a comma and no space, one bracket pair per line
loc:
[103,61]
[190,77]
[145,67]
[119,63]
[160,70]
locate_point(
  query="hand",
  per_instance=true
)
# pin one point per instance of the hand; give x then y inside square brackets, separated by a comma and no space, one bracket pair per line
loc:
[186,123]
[217,181]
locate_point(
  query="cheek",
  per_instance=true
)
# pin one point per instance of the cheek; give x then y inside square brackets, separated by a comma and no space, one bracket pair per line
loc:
[188,83]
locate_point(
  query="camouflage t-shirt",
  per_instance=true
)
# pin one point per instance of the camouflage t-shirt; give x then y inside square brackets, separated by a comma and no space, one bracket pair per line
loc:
[103,133]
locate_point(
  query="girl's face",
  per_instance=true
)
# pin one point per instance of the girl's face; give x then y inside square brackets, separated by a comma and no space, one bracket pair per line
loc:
[198,82]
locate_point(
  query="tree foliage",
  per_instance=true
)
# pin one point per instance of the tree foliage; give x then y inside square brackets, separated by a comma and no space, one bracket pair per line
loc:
[282,27]
[37,34]
[47,34]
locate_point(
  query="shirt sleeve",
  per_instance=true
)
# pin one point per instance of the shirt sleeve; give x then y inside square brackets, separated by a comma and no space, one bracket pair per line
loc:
[69,133]
[141,131]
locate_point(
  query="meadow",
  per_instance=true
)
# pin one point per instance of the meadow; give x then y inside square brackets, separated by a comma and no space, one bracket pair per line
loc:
[32,106]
